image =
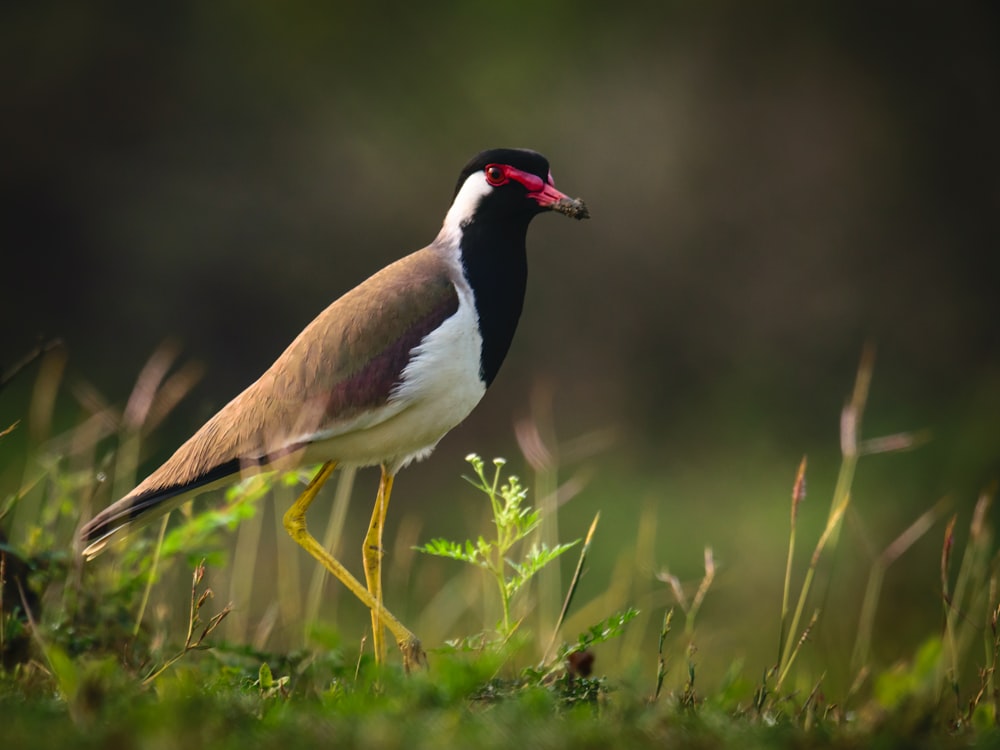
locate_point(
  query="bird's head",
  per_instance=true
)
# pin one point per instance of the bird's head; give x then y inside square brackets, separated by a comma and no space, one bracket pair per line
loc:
[509,183]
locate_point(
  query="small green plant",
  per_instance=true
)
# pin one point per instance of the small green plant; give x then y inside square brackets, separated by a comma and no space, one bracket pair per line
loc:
[269,686]
[661,659]
[514,521]
[691,609]
[605,630]
[193,641]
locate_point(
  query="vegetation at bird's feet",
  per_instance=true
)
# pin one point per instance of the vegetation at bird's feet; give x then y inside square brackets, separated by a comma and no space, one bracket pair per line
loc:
[514,522]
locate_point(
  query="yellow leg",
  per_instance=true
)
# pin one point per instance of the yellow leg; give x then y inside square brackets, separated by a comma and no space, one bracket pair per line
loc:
[295,525]
[372,553]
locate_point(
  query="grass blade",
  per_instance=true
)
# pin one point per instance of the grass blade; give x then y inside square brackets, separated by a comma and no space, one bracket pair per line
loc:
[577,574]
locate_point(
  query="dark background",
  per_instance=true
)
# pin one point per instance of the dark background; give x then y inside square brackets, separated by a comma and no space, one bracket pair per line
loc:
[771,187]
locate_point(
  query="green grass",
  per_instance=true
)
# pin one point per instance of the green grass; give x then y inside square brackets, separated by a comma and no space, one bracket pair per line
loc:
[142,648]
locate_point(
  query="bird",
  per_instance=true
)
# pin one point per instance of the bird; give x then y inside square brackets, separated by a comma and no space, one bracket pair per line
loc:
[377,378]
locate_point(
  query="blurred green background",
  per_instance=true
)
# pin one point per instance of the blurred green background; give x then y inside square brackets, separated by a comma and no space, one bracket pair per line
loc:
[771,187]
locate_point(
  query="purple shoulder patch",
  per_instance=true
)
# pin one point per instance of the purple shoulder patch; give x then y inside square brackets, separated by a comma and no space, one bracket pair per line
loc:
[371,385]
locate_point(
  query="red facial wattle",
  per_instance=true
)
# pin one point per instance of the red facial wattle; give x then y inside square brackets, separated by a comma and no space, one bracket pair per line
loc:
[541,191]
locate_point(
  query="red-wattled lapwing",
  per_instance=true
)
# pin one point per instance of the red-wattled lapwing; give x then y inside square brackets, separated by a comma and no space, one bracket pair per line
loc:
[380,376]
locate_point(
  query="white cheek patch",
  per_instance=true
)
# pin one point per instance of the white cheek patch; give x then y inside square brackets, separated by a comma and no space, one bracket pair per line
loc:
[466,202]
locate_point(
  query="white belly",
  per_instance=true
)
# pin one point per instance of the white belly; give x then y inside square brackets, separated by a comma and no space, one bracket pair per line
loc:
[439,388]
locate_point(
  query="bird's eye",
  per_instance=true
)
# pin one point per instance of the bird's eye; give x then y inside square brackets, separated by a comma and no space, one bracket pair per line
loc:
[495,175]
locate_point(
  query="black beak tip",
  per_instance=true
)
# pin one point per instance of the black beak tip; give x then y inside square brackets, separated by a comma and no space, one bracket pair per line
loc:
[572,207]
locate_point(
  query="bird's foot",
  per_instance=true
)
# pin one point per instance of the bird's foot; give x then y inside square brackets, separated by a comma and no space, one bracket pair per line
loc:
[414,656]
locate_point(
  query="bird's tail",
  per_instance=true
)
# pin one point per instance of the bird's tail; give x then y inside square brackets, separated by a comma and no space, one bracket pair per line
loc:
[141,506]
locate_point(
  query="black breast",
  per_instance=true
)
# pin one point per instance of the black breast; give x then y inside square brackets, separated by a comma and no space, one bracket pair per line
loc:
[496,266]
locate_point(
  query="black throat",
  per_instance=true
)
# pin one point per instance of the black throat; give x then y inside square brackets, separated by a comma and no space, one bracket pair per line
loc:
[496,267]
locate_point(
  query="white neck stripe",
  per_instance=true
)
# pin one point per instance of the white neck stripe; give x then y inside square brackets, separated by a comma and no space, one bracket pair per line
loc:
[473,190]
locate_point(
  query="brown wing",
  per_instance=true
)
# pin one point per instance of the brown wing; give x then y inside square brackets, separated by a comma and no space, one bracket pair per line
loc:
[343,364]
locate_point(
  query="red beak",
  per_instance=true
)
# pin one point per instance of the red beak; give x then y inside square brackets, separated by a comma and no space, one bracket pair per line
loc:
[549,197]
